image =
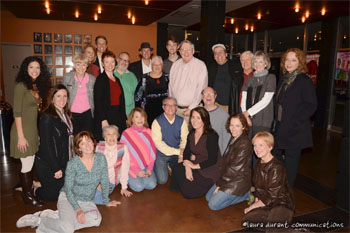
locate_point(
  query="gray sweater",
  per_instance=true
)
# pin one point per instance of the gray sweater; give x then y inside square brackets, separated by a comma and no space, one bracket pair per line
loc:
[218,118]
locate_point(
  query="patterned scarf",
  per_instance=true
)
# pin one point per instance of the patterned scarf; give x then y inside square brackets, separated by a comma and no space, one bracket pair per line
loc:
[69,125]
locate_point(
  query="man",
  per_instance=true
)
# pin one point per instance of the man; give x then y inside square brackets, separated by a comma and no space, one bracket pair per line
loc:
[139,68]
[171,46]
[127,79]
[169,133]
[101,46]
[218,117]
[188,77]
[225,76]
[246,62]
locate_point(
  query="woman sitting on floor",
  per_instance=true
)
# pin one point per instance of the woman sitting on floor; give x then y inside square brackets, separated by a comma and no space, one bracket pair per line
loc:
[274,199]
[142,150]
[118,162]
[199,170]
[76,210]
[234,182]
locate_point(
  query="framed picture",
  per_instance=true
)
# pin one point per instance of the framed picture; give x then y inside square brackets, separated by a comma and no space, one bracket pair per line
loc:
[57,38]
[48,49]
[69,69]
[58,61]
[68,49]
[77,49]
[58,49]
[37,37]
[50,69]
[87,39]
[68,61]
[59,72]
[48,37]
[67,38]
[77,39]
[48,60]
[38,48]
[40,57]
[59,81]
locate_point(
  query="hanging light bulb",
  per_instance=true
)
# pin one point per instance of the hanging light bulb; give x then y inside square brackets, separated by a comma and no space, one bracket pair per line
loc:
[259,15]
[76,14]
[232,20]
[99,9]
[129,14]
[252,28]
[133,19]
[96,17]
[146,2]
[246,27]
[303,19]
[47,4]
[297,7]
[323,11]
[48,11]
[307,14]
[298,37]
[236,30]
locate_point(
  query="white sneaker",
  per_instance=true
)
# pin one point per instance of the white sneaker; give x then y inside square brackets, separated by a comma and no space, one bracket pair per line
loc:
[29,220]
[48,213]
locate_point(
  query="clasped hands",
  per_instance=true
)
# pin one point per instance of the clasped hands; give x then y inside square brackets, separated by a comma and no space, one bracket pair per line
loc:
[143,173]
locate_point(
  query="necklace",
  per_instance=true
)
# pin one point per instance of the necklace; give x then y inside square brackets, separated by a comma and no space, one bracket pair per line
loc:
[81,81]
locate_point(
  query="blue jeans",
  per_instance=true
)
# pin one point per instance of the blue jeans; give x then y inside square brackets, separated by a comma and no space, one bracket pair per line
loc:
[98,195]
[161,167]
[222,200]
[141,183]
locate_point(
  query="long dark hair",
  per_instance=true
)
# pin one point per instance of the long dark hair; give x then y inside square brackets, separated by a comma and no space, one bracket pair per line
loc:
[42,81]
[51,109]
[204,114]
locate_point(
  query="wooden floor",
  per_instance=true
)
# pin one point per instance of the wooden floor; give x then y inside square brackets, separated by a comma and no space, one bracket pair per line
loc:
[161,210]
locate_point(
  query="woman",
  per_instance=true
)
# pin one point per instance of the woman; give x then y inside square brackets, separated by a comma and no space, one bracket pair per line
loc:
[31,87]
[295,103]
[274,200]
[152,89]
[89,52]
[56,138]
[118,162]
[233,185]
[80,86]
[142,150]
[257,94]
[76,210]
[109,98]
[199,170]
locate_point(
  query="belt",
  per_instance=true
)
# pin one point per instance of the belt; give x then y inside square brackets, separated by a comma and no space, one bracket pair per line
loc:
[182,107]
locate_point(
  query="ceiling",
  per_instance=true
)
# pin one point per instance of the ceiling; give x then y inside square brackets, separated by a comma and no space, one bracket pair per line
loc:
[275,14]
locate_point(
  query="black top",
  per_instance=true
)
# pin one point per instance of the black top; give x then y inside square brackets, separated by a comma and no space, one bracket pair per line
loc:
[136,68]
[223,84]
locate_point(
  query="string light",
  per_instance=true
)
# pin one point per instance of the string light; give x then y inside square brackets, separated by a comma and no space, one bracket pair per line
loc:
[47,4]
[76,14]
[232,20]
[297,7]
[323,11]
[246,27]
[99,9]
[307,14]
[133,20]
[129,14]
[236,30]
[96,17]
[303,19]
[252,28]
[259,15]
[146,2]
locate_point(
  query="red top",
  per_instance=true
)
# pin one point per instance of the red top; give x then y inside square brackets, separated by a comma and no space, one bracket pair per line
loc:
[115,91]
[94,70]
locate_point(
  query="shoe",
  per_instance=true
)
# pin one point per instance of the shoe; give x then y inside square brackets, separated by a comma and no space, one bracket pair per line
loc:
[29,220]
[17,187]
[48,214]
[28,191]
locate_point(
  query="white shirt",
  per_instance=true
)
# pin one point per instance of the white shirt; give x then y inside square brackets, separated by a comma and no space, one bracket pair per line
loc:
[146,69]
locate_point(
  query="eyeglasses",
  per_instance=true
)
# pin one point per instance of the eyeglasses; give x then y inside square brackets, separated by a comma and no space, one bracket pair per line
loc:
[127,61]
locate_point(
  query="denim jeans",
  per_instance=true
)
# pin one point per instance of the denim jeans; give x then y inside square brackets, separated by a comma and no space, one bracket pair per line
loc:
[140,183]
[161,167]
[98,195]
[222,200]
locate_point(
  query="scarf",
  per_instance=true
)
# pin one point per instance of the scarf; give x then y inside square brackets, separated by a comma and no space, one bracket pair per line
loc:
[287,80]
[69,125]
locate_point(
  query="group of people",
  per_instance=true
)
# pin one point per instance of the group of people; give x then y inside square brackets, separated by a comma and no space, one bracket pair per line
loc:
[149,123]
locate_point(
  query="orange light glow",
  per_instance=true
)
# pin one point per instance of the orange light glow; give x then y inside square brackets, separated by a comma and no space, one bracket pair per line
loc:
[99,9]
[246,27]
[323,11]
[232,20]
[303,19]
[252,28]
[133,20]
[96,17]
[297,7]
[307,14]
[47,4]
[146,2]
[48,11]
[129,14]
[76,14]
[259,15]
[236,30]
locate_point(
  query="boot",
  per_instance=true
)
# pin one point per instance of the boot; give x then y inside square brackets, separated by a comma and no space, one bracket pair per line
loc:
[28,191]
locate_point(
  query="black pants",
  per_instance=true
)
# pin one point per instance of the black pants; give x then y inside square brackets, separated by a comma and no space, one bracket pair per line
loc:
[290,159]
[189,189]
[82,122]
[50,186]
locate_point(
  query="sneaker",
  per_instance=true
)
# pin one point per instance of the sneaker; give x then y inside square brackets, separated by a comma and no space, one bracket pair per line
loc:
[29,220]
[48,213]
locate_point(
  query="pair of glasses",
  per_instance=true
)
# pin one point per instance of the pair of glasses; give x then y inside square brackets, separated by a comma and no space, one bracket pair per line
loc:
[127,61]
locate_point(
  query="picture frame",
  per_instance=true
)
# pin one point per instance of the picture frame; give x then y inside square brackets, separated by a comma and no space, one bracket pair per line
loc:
[77,39]
[58,49]
[68,38]
[77,49]
[48,49]
[38,48]
[59,72]
[57,38]
[37,37]
[40,57]
[68,50]
[50,70]
[48,60]
[58,61]
[48,37]
[68,61]
[69,69]
[87,39]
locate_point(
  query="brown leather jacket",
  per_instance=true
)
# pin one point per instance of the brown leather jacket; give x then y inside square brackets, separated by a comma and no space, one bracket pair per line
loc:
[271,184]
[236,168]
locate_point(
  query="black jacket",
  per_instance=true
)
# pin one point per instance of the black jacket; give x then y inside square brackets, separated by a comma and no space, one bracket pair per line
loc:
[136,68]
[54,144]
[294,130]
[236,73]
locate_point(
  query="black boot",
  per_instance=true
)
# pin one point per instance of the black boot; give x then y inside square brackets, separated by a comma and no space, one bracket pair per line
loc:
[28,191]
[17,187]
